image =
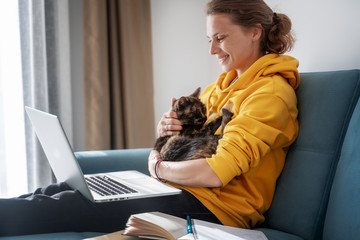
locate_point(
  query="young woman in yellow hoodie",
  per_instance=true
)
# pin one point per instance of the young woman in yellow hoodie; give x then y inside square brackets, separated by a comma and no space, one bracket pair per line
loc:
[236,185]
[238,182]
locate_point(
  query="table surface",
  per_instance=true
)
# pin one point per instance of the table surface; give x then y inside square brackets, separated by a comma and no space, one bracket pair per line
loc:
[114,236]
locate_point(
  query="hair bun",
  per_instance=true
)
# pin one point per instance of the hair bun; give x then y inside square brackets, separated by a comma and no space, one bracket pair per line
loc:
[279,37]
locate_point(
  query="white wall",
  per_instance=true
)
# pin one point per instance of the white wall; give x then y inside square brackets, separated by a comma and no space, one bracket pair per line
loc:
[181,60]
[327,33]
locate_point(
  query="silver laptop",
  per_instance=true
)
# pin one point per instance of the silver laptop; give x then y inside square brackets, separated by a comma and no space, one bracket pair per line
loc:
[104,187]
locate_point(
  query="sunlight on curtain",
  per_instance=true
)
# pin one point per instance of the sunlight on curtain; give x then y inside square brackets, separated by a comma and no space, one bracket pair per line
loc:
[13,174]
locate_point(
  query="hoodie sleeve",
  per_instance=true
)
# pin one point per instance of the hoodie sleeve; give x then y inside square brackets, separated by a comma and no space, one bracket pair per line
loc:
[262,122]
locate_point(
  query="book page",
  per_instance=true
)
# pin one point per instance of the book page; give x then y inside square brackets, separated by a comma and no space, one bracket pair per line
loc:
[212,231]
[156,224]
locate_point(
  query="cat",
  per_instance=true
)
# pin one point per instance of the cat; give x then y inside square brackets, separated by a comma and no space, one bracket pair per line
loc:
[195,140]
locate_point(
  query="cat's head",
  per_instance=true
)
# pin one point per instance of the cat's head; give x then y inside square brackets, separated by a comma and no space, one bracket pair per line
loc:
[190,110]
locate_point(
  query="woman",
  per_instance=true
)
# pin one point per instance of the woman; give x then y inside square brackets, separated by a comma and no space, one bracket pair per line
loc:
[235,186]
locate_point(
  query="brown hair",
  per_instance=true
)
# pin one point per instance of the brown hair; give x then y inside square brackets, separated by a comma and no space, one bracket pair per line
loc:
[276,28]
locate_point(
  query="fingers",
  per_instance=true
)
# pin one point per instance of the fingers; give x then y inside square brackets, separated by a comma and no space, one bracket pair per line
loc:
[172,125]
[169,123]
[170,115]
[169,126]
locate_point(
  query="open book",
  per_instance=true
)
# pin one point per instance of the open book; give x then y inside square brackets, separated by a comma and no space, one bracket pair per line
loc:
[156,225]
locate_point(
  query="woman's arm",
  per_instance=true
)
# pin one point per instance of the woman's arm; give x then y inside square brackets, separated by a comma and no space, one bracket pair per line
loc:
[191,173]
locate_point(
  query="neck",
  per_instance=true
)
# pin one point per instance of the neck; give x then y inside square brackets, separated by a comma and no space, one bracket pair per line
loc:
[250,62]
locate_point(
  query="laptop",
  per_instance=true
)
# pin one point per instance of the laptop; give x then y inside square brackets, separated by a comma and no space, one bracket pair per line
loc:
[101,187]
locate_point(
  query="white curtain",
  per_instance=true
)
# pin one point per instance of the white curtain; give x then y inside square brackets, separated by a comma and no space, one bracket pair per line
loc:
[44,33]
[12,138]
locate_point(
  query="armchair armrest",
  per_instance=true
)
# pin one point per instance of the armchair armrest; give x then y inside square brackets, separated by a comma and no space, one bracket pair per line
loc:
[114,160]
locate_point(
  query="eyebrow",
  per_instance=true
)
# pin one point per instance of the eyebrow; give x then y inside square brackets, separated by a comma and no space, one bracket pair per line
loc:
[214,35]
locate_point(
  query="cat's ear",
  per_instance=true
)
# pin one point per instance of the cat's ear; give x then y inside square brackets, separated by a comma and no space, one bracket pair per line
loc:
[173,100]
[196,93]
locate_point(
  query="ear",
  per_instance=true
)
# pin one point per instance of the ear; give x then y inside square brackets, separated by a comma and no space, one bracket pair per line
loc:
[196,93]
[173,100]
[182,100]
[256,32]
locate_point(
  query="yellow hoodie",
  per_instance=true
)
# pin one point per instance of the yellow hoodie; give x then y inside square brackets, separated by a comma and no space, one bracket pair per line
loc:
[251,154]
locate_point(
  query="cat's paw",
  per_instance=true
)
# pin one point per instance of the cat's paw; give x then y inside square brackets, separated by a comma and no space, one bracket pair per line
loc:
[226,113]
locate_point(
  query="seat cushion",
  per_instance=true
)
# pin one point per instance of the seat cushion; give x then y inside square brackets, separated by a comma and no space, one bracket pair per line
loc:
[272,234]
[55,236]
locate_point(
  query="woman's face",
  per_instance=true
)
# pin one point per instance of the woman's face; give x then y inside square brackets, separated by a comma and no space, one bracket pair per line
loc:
[235,47]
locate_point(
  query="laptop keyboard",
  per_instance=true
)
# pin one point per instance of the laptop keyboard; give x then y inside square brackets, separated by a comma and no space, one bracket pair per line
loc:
[106,186]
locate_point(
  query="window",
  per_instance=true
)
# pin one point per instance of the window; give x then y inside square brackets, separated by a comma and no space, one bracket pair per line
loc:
[13,174]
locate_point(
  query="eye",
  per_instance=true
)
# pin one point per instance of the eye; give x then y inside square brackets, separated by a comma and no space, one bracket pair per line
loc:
[220,38]
[217,38]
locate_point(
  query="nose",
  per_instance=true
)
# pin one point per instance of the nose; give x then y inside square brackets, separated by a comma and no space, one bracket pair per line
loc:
[213,48]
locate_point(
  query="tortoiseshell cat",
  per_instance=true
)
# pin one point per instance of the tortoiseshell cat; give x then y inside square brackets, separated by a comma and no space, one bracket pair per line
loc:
[195,140]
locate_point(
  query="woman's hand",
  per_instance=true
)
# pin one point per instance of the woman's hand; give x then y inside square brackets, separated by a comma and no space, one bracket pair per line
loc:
[152,159]
[169,123]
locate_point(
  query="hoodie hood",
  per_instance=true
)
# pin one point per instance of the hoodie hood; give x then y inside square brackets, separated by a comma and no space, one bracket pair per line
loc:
[266,66]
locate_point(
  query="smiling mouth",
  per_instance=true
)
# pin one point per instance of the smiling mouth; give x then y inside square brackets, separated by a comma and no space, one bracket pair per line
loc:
[223,59]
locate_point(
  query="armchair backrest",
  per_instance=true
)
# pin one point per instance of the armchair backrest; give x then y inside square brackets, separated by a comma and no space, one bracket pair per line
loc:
[343,213]
[326,101]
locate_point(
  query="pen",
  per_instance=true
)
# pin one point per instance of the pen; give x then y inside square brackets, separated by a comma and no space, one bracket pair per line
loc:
[189,227]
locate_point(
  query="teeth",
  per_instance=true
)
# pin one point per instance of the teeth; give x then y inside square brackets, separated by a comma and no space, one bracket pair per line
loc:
[221,60]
